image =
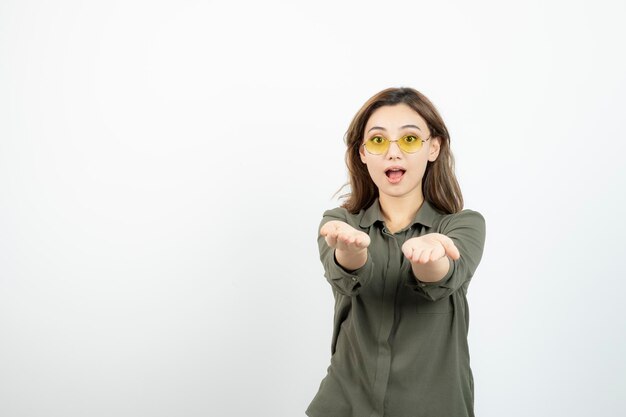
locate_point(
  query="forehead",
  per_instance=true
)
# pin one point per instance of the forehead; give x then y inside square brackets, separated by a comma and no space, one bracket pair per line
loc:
[393,117]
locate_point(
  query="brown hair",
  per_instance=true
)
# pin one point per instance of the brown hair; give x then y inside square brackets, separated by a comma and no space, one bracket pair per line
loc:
[439,184]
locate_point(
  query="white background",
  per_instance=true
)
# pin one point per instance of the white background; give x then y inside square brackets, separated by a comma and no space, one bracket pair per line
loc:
[164,166]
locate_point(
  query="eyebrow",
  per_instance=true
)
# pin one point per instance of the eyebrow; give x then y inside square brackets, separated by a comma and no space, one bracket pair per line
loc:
[403,127]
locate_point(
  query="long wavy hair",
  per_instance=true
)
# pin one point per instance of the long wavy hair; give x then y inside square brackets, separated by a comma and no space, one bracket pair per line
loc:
[439,184]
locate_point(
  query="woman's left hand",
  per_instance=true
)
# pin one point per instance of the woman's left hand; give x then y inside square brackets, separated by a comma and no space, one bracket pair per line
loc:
[429,248]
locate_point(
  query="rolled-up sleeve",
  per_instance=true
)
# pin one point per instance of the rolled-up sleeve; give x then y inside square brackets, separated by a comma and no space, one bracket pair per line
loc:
[345,282]
[467,231]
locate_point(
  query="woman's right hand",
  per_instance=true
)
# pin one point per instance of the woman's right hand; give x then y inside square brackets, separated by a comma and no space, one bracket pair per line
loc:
[341,236]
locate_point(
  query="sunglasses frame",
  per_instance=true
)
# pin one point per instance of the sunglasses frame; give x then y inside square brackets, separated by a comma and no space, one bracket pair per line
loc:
[389,144]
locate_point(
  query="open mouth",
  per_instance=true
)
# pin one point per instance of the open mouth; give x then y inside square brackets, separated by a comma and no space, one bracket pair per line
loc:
[395,174]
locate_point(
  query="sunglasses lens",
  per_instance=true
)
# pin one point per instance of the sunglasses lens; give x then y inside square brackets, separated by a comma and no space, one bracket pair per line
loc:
[377,145]
[410,143]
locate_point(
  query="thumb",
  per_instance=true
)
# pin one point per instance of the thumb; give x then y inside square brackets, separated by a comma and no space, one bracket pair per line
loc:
[451,250]
[407,250]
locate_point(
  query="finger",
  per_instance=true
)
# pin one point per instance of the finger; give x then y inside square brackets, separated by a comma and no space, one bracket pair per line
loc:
[327,228]
[335,235]
[364,241]
[425,256]
[331,241]
[452,250]
[415,257]
[344,237]
[407,251]
[449,247]
[333,226]
[347,238]
[358,243]
[456,254]
[410,242]
[438,252]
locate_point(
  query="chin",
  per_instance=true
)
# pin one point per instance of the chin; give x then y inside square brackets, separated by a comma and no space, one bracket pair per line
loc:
[397,191]
[394,192]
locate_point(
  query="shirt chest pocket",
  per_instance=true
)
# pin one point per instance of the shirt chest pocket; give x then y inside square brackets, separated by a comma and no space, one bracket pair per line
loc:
[420,303]
[424,306]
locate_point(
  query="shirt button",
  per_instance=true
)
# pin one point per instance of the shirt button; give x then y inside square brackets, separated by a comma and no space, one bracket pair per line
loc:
[354,278]
[422,285]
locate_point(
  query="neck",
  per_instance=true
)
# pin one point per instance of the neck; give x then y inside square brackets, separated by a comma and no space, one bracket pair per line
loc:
[398,212]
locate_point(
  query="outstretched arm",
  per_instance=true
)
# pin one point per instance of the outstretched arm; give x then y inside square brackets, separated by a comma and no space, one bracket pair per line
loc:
[444,262]
[429,254]
[350,244]
[344,252]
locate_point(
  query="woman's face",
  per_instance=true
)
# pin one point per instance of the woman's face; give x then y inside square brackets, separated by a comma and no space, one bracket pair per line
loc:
[396,173]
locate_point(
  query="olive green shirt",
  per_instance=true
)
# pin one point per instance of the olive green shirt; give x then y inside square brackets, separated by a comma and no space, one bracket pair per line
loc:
[399,346]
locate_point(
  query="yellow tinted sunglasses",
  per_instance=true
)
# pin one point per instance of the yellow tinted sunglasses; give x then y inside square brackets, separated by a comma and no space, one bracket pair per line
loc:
[378,145]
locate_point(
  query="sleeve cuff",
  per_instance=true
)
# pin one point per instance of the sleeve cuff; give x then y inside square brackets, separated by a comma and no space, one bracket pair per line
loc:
[431,290]
[350,281]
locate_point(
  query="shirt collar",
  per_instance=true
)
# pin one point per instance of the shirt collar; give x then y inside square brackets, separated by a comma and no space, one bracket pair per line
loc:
[426,215]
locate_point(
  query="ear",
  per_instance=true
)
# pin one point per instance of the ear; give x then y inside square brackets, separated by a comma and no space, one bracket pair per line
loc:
[435,146]
[362,154]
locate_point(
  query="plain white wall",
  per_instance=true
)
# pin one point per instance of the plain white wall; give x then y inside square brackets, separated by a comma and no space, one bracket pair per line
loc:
[164,166]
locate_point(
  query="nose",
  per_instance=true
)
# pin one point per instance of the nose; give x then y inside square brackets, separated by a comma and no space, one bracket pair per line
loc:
[394,151]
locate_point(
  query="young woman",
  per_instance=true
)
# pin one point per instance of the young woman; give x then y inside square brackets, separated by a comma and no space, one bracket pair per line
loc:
[399,255]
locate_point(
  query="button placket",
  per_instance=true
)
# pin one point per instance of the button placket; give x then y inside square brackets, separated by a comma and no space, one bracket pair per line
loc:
[387,321]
